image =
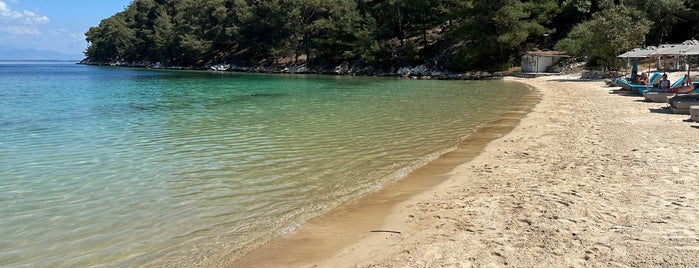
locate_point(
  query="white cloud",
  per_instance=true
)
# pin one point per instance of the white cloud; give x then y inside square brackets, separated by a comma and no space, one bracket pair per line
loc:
[20,22]
[19,30]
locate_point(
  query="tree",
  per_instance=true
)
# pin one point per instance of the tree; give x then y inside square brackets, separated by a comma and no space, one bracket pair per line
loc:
[490,33]
[664,15]
[571,13]
[262,31]
[687,26]
[606,35]
[140,17]
[111,41]
[164,36]
[336,32]
[457,35]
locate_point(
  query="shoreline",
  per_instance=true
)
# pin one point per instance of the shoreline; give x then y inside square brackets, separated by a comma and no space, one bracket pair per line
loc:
[345,69]
[357,220]
[587,178]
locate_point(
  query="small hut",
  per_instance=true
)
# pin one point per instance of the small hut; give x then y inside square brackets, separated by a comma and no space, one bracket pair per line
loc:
[534,62]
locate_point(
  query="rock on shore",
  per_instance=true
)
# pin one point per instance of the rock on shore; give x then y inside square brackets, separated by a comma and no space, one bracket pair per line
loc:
[345,68]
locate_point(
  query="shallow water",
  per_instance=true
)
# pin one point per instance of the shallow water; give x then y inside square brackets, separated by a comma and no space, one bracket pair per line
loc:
[113,166]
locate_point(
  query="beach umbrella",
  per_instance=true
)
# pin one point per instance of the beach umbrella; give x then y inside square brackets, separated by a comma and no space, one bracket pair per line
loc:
[638,53]
[628,53]
[631,54]
[686,48]
[690,51]
[670,50]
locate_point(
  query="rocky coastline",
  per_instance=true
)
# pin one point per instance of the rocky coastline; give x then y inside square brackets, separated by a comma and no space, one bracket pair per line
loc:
[345,68]
[422,71]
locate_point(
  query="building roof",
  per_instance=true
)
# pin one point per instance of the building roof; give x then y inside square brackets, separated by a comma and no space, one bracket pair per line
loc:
[551,53]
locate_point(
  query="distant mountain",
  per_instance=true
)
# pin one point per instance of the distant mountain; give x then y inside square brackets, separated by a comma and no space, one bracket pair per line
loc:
[34,54]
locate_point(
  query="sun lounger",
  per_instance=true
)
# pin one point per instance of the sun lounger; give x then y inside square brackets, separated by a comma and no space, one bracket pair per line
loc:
[653,79]
[694,113]
[627,85]
[657,95]
[680,104]
[616,81]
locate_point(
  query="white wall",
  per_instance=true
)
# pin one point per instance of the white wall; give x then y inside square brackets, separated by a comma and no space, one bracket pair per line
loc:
[536,64]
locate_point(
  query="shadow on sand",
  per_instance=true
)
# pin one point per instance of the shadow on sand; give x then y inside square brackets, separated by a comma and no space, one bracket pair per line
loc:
[661,110]
[622,92]
[576,80]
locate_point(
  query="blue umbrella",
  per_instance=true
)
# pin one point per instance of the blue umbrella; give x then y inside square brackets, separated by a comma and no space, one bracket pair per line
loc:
[634,67]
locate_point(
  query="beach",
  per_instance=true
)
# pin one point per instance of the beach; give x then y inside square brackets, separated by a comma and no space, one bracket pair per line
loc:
[588,177]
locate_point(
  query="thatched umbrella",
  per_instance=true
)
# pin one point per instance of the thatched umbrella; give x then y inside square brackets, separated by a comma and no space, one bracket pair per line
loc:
[689,51]
[670,50]
[637,53]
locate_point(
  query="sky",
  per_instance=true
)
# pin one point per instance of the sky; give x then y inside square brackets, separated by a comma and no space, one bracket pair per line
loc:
[57,25]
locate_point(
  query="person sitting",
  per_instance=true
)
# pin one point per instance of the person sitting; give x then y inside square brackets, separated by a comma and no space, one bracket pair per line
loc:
[634,77]
[664,84]
[643,79]
[686,88]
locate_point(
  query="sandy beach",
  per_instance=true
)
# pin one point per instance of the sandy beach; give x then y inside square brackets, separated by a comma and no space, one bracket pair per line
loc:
[588,178]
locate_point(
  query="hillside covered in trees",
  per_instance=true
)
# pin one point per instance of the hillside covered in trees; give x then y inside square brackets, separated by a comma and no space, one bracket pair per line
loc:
[454,35]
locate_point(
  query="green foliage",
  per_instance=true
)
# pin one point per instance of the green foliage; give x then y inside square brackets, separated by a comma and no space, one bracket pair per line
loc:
[610,32]
[687,26]
[664,15]
[491,32]
[111,41]
[163,36]
[322,30]
[457,35]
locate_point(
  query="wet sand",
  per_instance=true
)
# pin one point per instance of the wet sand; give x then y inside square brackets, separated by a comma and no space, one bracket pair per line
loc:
[587,178]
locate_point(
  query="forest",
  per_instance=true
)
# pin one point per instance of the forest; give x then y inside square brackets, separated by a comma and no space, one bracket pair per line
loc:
[453,35]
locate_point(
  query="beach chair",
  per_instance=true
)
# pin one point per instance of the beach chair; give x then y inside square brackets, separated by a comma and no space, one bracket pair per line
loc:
[681,104]
[619,80]
[627,85]
[656,95]
[653,79]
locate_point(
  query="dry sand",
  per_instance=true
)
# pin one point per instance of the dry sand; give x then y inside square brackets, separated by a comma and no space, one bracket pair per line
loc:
[588,178]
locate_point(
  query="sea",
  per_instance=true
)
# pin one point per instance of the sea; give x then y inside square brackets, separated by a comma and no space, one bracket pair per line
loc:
[111,166]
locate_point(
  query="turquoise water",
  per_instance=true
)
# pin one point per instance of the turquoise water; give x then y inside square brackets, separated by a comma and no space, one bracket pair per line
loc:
[105,166]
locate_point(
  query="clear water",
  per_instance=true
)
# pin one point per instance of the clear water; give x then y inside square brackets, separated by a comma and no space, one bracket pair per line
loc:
[103,166]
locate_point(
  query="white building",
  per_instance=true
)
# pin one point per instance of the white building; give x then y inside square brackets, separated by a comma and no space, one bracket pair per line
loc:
[537,61]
